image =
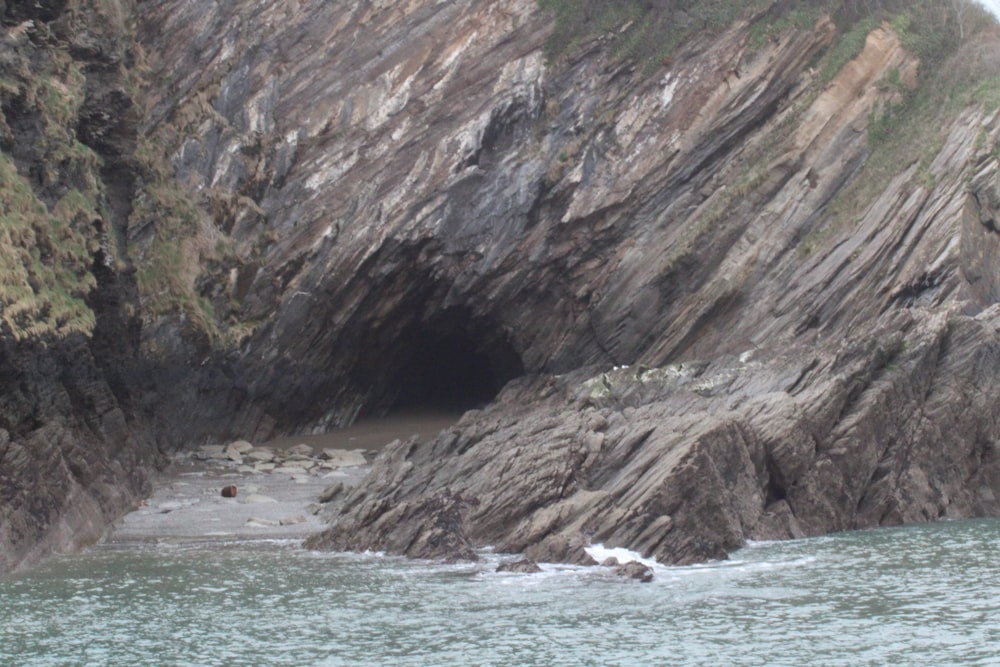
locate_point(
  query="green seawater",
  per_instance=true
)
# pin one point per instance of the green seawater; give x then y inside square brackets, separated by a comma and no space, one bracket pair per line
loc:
[922,595]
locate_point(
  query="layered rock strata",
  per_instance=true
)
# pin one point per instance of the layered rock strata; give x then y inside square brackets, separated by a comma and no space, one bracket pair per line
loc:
[686,462]
[419,201]
[74,451]
[735,308]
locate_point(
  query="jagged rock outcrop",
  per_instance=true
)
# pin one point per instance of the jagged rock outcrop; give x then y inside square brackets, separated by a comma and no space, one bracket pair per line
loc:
[801,308]
[417,202]
[523,566]
[687,462]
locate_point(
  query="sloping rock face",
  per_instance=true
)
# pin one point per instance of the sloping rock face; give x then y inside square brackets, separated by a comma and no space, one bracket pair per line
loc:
[74,451]
[419,204]
[720,308]
[72,456]
[428,207]
[687,462]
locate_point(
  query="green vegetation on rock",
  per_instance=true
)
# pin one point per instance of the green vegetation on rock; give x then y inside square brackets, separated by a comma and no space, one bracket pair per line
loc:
[169,261]
[642,31]
[48,239]
[45,258]
[956,71]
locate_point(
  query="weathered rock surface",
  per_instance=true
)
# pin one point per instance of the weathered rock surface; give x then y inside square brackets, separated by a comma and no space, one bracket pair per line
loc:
[687,462]
[635,570]
[721,319]
[523,566]
[797,358]
[75,452]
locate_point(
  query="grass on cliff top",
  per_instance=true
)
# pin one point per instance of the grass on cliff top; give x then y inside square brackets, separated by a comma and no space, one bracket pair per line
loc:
[959,52]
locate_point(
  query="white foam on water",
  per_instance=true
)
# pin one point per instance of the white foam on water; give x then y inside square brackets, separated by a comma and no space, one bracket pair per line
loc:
[601,553]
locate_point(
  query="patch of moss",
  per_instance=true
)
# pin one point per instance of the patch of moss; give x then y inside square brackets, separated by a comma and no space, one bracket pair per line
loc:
[175,242]
[45,258]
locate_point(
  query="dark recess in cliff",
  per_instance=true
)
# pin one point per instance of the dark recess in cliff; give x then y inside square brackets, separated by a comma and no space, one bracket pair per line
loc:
[451,363]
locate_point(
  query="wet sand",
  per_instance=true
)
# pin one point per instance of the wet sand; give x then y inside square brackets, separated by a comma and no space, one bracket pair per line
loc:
[187,504]
[374,434]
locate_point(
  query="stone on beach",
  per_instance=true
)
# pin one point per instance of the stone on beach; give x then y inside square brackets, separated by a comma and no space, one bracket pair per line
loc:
[239,446]
[300,464]
[301,449]
[345,458]
[294,471]
[258,498]
[172,505]
[331,492]
[260,522]
[210,452]
[260,454]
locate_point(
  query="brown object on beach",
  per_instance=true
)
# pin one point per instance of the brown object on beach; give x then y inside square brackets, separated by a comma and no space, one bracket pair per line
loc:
[229,491]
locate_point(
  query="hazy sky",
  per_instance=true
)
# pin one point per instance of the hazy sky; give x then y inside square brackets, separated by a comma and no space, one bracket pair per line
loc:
[992,5]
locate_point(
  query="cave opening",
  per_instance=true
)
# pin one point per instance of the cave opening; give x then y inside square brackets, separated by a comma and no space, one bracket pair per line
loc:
[450,362]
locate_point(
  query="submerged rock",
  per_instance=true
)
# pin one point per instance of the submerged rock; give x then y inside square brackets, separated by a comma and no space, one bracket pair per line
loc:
[524,566]
[635,570]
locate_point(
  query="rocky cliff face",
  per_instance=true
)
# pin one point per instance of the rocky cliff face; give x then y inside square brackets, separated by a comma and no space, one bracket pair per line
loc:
[743,288]
[779,304]
[74,453]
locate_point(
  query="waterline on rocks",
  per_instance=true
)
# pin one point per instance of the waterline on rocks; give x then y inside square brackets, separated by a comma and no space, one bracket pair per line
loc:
[921,595]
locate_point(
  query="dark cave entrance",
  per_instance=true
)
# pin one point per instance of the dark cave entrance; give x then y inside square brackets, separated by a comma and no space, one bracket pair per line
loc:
[449,362]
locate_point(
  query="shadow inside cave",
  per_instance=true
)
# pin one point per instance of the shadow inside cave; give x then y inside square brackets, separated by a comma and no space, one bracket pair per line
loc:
[447,363]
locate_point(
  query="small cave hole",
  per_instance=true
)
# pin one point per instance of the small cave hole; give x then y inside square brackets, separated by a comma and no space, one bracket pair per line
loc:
[775,491]
[452,363]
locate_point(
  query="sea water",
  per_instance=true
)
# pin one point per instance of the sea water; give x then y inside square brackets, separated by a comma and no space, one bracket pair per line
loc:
[921,595]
